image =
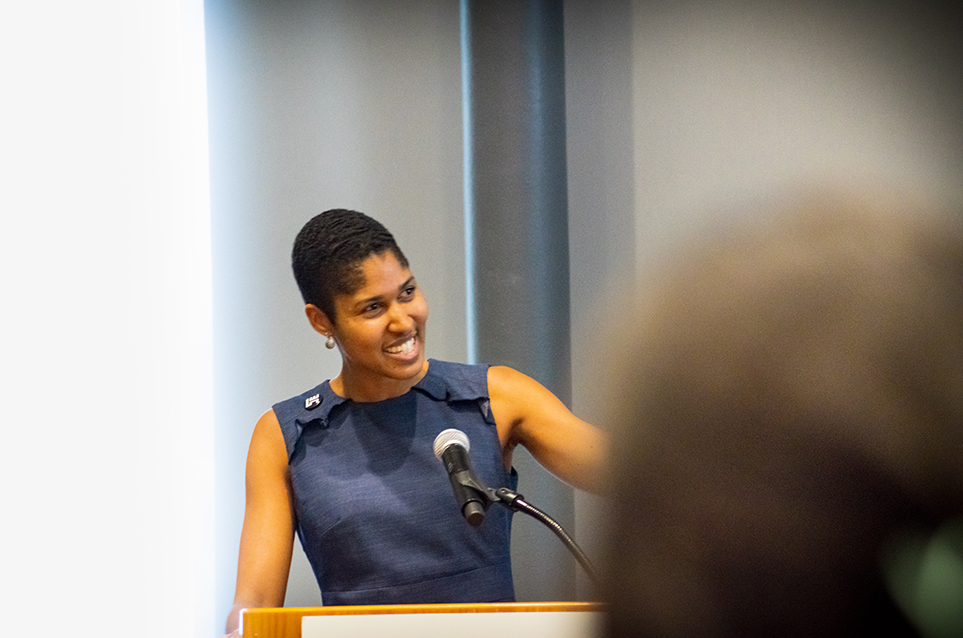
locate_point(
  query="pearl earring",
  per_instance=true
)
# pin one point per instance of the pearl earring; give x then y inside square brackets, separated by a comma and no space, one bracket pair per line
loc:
[329,344]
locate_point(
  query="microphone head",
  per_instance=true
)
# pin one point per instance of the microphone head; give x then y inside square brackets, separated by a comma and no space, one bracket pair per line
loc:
[450,437]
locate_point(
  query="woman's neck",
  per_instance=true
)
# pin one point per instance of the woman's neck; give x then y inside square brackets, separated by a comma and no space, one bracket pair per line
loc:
[374,388]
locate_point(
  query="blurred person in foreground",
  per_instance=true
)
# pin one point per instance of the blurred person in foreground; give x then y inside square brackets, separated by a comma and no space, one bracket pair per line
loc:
[790,462]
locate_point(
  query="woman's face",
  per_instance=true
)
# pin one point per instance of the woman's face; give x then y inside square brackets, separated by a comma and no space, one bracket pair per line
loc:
[380,328]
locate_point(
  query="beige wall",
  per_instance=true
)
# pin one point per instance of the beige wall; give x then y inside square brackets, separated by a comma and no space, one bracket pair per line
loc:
[737,99]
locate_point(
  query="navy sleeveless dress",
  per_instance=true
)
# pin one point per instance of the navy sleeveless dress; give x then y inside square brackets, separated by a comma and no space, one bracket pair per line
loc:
[375,510]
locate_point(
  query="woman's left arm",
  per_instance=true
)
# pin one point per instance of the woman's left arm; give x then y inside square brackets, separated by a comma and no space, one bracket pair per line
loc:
[528,414]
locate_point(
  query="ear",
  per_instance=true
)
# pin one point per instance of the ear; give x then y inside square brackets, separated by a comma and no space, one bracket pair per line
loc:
[319,320]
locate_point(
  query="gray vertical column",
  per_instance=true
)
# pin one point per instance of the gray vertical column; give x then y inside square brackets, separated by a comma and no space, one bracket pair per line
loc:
[517,238]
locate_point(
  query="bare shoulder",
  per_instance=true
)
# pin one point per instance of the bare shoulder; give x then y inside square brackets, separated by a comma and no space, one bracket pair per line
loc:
[498,376]
[518,401]
[510,384]
[267,443]
[268,425]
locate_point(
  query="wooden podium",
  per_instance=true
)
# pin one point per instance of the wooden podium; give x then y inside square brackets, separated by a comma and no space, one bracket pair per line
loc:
[286,622]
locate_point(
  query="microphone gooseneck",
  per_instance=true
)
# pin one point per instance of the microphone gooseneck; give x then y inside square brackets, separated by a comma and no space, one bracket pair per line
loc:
[474,497]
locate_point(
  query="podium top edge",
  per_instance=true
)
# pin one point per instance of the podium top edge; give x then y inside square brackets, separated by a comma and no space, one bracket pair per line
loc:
[454,608]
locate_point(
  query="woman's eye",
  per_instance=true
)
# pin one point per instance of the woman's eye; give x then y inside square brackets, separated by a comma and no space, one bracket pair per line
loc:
[408,292]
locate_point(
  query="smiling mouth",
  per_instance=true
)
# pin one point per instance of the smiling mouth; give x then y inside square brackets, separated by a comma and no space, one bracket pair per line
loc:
[406,347]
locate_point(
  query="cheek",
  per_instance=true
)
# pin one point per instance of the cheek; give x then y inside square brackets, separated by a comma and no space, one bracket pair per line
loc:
[363,338]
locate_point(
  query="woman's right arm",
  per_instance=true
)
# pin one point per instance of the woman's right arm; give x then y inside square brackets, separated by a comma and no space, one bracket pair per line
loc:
[268,533]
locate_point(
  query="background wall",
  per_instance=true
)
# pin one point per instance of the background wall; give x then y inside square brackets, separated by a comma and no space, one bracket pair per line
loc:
[676,114]
[602,213]
[736,99]
[116,420]
[317,105]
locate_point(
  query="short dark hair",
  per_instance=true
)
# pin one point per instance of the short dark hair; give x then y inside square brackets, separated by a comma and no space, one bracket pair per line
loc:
[328,252]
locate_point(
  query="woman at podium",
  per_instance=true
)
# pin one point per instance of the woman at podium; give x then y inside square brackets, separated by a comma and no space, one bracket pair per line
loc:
[349,464]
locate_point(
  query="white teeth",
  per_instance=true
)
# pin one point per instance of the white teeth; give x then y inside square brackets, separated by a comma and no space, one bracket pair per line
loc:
[405,348]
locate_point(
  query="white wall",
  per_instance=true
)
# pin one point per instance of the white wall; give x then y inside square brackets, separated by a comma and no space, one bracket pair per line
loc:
[106,335]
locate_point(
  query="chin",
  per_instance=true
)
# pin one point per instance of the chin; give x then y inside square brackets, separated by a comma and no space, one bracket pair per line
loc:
[412,368]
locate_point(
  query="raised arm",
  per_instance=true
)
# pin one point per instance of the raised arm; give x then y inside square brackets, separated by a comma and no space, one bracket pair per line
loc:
[527,414]
[268,533]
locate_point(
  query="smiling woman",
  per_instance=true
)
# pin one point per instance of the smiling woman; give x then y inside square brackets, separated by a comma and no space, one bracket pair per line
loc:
[349,465]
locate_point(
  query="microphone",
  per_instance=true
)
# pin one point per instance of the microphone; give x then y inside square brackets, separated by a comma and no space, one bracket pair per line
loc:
[474,497]
[451,448]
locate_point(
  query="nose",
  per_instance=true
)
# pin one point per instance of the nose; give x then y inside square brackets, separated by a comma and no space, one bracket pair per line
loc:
[398,319]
